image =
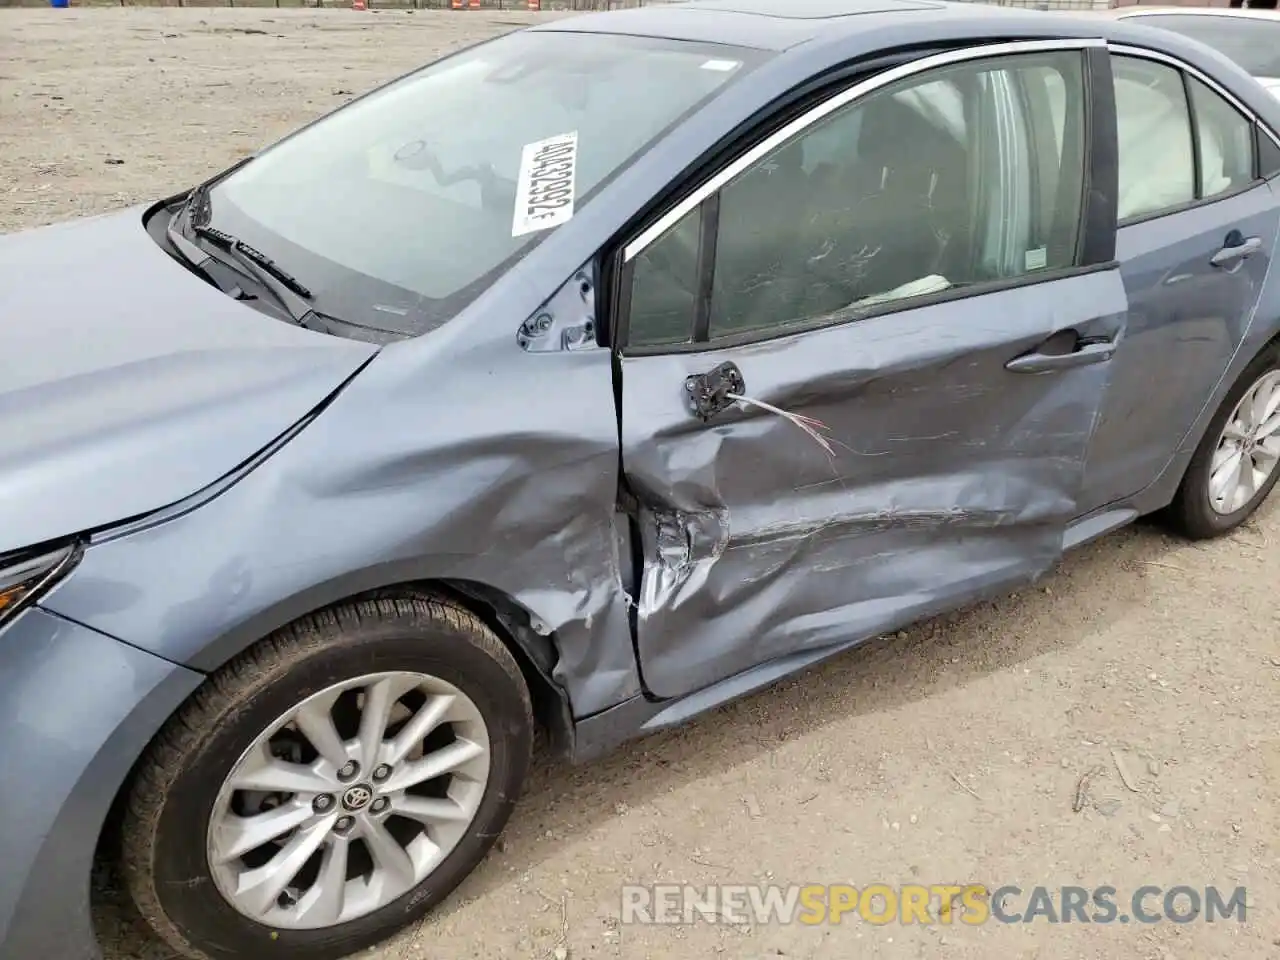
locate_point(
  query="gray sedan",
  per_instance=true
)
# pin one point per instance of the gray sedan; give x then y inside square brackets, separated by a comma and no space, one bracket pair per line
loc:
[587,379]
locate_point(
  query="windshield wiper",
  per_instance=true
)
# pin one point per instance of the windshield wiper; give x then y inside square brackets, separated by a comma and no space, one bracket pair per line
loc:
[291,296]
[235,245]
[242,258]
[196,206]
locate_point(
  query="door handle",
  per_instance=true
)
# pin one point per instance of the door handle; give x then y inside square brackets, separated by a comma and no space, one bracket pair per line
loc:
[1236,247]
[710,393]
[1083,352]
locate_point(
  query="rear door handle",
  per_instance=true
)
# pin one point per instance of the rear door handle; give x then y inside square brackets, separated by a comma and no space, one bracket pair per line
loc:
[1082,353]
[1236,248]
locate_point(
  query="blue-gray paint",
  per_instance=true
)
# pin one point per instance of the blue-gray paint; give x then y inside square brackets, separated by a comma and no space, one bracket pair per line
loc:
[126,383]
[1186,320]
[75,707]
[954,477]
[474,456]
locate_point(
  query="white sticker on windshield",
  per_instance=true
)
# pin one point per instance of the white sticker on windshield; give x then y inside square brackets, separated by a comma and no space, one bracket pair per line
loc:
[1036,259]
[721,66]
[545,188]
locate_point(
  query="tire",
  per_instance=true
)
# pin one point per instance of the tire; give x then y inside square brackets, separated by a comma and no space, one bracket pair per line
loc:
[165,835]
[1190,513]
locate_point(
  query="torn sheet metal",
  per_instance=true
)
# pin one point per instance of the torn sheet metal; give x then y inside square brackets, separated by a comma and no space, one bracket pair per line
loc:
[949,477]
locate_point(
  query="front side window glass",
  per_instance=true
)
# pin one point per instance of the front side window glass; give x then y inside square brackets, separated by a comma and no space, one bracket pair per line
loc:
[938,182]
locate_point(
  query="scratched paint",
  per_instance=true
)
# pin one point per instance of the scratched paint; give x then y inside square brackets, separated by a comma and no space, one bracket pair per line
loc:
[951,478]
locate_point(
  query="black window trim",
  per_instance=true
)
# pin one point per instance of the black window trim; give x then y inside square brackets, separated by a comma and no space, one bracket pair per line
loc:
[1096,230]
[1186,73]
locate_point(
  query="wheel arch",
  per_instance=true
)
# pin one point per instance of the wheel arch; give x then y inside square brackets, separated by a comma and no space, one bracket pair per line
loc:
[532,645]
[1244,359]
[1160,494]
[513,624]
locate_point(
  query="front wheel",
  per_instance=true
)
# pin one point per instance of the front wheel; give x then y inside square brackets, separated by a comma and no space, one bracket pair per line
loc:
[1234,468]
[330,786]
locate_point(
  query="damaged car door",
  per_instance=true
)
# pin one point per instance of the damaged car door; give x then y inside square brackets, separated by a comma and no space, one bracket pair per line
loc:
[861,364]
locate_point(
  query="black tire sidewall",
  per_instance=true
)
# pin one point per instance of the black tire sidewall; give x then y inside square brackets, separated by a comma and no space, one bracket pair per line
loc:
[1197,517]
[182,881]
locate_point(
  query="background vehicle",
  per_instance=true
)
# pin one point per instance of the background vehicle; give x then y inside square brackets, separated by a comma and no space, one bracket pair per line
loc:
[321,573]
[1249,36]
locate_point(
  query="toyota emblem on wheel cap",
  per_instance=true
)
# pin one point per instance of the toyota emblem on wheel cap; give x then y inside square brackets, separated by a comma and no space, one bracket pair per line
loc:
[357,798]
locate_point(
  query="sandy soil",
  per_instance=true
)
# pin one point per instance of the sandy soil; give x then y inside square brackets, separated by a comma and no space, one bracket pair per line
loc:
[950,753]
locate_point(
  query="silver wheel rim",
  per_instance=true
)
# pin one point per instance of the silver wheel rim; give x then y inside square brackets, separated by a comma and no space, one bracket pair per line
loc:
[349,800]
[1248,448]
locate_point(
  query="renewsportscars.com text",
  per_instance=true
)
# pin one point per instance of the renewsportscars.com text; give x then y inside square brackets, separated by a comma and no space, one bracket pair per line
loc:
[970,904]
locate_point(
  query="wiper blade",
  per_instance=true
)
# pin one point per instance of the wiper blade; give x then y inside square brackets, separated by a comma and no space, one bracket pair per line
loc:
[237,246]
[196,206]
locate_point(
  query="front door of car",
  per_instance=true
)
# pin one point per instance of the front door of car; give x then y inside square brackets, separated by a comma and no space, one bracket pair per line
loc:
[906,267]
[1197,228]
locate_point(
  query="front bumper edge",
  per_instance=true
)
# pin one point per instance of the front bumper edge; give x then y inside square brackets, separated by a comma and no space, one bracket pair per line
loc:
[77,707]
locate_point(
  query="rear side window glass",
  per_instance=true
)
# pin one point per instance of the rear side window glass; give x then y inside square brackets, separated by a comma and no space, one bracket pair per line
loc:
[1224,137]
[1268,155]
[1153,127]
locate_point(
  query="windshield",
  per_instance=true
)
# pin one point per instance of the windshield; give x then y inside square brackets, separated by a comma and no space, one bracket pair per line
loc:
[400,209]
[1252,42]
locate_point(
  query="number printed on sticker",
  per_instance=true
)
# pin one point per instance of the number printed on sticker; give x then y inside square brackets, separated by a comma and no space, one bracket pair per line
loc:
[545,191]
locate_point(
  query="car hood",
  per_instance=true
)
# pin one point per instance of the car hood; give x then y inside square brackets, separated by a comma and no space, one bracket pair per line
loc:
[127,383]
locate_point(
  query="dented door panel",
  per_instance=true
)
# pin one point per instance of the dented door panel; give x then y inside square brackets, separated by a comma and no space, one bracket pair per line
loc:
[950,477]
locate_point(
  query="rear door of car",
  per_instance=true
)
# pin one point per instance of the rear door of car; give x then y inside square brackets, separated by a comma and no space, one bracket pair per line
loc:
[910,264]
[1198,226]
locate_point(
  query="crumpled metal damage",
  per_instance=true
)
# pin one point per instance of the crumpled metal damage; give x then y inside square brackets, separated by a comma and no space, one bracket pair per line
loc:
[435,467]
[952,479]
[487,454]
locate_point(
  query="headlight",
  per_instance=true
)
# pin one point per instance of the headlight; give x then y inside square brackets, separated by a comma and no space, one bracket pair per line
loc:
[24,579]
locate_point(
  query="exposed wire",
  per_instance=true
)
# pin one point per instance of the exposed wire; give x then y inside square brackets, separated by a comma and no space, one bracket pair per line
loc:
[810,425]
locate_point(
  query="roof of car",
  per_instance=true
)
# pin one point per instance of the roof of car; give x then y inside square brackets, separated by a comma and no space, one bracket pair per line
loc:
[1243,13]
[813,35]
[761,24]
[778,25]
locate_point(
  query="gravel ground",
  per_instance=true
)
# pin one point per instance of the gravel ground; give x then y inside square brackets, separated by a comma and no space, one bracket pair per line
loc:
[950,753]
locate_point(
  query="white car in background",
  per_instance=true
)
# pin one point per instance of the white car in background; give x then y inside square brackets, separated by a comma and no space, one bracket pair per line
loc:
[1249,36]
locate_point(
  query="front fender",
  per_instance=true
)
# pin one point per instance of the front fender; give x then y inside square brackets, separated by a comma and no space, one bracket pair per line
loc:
[520,499]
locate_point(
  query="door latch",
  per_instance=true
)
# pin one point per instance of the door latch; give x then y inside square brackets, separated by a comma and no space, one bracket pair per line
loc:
[709,393]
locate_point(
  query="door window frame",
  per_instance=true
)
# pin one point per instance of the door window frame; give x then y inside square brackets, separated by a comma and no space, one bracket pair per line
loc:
[1186,73]
[1097,226]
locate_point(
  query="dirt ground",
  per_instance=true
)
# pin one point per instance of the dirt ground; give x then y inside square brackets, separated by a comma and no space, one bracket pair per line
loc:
[950,753]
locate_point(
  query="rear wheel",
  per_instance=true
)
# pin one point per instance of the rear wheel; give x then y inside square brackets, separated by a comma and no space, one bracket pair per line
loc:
[330,786]
[1235,466]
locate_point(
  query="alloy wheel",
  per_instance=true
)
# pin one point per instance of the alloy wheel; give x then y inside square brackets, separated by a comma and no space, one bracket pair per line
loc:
[1248,448]
[349,800]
